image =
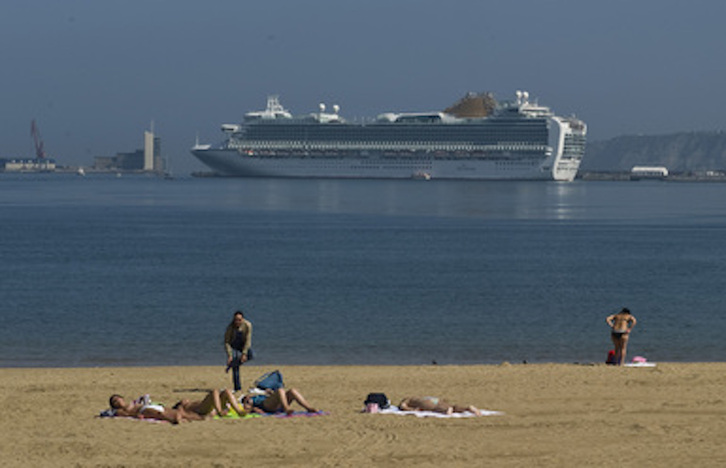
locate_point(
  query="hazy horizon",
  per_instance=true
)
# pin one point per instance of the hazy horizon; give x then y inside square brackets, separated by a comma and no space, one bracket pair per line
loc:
[94,75]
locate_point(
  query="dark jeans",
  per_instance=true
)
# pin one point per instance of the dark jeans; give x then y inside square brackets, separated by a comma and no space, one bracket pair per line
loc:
[235,371]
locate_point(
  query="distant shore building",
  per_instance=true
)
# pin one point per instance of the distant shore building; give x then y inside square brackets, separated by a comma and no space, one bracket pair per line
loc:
[147,159]
[152,146]
[28,165]
[40,163]
[648,172]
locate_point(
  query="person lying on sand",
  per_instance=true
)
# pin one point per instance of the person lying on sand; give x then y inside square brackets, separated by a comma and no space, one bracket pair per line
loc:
[435,404]
[274,401]
[215,403]
[144,409]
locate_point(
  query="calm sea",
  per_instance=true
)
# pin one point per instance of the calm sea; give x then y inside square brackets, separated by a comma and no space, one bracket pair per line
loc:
[103,270]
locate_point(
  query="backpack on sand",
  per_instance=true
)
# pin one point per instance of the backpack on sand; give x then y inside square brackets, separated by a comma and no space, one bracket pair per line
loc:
[270,381]
[378,398]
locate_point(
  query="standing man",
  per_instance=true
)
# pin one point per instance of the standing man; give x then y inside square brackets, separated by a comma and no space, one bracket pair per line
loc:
[237,342]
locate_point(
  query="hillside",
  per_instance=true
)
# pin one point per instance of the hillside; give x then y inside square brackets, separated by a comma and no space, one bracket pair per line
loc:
[679,152]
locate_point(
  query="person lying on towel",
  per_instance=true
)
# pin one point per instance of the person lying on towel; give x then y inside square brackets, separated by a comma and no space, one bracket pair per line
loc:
[143,408]
[215,403]
[274,401]
[435,404]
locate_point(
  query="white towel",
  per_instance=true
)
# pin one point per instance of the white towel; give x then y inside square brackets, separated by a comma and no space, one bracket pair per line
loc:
[433,414]
[639,364]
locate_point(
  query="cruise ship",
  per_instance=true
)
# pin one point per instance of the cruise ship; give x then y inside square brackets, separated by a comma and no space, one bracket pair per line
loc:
[476,138]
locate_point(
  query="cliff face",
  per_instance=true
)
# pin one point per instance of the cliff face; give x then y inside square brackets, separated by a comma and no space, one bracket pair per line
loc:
[679,152]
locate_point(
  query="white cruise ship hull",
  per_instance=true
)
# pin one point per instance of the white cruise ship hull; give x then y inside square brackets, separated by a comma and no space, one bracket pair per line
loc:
[229,162]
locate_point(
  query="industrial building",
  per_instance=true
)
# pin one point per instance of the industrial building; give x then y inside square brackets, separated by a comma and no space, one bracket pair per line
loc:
[41,162]
[28,165]
[147,159]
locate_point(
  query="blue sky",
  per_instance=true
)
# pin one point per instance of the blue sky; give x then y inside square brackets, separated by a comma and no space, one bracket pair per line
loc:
[94,74]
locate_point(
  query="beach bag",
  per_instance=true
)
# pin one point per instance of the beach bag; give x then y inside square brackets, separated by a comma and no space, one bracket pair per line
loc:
[611,357]
[270,381]
[379,399]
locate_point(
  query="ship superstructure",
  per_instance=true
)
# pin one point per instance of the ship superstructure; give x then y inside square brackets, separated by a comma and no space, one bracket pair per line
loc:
[516,139]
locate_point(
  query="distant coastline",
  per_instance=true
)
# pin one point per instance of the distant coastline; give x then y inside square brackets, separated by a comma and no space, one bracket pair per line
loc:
[588,176]
[596,176]
[692,154]
[706,176]
[83,171]
[688,156]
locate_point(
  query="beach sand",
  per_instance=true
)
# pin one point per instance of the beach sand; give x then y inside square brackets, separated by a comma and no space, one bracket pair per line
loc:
[554,415]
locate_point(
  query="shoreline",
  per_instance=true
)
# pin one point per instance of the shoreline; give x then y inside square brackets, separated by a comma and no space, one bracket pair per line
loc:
[554,415]
[256,365]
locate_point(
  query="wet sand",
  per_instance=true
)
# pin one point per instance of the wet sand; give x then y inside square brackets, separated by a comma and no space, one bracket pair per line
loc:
[554,415]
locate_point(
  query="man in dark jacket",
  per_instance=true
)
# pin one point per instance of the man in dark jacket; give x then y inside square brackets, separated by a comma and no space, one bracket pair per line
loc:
[237,342]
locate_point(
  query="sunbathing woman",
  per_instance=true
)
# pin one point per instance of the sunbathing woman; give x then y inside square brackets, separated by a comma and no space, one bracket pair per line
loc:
[274,401]
[621,325]
[215,403]
[144,409]
[435,404]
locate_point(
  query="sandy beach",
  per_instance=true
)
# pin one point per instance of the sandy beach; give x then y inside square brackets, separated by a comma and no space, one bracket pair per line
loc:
[554,415]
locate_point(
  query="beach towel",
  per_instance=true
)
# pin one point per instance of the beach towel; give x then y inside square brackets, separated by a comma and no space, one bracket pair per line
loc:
[639,361]
[111,414]
[232,414]
[296,414]
[432,414]
[639,364]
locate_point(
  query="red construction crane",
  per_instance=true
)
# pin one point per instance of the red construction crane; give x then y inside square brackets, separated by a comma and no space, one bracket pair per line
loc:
[37,141]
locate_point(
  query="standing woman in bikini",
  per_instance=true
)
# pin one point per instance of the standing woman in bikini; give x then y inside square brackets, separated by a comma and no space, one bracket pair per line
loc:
[621,324]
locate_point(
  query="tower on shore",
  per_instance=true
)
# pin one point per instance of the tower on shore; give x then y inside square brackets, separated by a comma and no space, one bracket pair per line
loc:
[152,151]
[147,159]
[149,148]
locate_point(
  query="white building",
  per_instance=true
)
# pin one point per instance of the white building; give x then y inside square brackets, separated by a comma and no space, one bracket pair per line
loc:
[149,151]
[649,172]
[29,165]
